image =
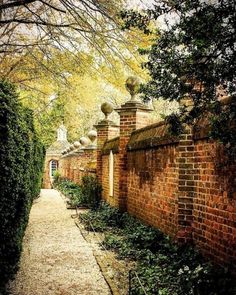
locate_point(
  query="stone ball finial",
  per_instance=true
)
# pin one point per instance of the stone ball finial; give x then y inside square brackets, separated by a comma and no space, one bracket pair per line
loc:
[68,150]
[132,84]
[107,109]
[84,141]
[92,135]
[71,147]
[76,144]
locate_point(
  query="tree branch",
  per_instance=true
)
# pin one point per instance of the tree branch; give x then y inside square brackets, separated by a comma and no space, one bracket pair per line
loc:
[42,23]
[15,4]
[53,7]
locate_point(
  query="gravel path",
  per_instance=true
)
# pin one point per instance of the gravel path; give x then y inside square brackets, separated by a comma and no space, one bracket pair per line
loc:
[56,260]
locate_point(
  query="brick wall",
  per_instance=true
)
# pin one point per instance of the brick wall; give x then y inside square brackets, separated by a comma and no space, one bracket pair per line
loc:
[61,167]
[152,186]
[88,163]
[75,165]
[214,203]
[106,130]
[185,191]
[153,177]
[184,185]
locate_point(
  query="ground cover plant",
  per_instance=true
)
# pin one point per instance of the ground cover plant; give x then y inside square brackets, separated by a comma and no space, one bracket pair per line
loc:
[21,165]
[163,267]
[88,193]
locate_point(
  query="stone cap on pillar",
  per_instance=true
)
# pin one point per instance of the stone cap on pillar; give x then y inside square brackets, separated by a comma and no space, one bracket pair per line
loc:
[107,109]
[133,105]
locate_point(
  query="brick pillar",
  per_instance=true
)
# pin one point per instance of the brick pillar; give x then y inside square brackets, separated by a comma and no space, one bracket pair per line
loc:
[133,115]
[106,130]
[187,171]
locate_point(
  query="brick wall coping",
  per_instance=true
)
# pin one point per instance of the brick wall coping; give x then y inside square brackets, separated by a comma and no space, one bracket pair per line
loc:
[153,135]
[133,106]
[112,144]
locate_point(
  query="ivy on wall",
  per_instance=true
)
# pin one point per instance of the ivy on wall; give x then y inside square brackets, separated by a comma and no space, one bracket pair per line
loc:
[21,166]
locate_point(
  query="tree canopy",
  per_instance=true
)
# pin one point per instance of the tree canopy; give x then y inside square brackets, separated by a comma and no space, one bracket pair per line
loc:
[39,29]
[67,57]
[69,90]
[193,55]
[60,24]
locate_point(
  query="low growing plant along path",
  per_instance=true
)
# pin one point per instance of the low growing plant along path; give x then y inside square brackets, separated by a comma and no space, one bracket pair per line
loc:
[56,260]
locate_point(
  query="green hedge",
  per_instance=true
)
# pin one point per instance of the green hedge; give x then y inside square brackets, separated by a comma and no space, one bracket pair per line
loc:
[21,165]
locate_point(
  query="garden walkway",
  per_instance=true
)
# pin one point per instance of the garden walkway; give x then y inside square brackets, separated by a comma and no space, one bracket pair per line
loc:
[56,260]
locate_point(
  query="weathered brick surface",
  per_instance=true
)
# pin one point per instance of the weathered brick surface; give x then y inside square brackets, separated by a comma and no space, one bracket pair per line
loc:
[188,190]
[214,206]
[152,187]
[185,190]
[75,165]
[89,163]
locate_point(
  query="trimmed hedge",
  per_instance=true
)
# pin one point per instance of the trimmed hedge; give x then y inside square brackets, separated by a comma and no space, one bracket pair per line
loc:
[21,166]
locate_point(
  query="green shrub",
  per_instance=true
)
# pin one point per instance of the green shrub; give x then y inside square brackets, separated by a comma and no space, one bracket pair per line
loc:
[21,163]
[86,194]
[56,176]
[77,198]
[71,190]
[91,190]
[111,216]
